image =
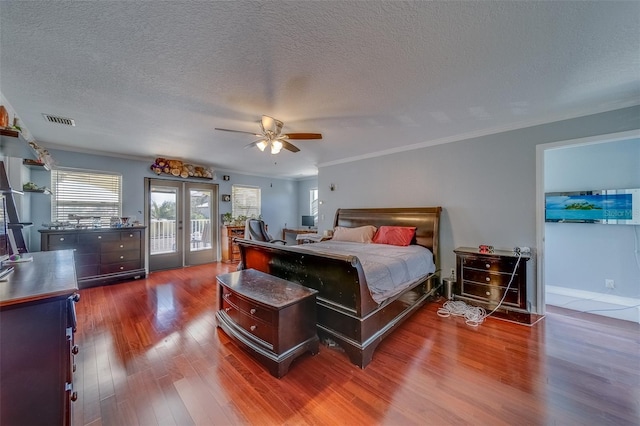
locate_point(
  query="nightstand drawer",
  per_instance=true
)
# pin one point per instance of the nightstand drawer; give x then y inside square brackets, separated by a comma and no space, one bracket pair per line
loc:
[489,264]
[252,325]
[250,308]
[490,293]
[488,278]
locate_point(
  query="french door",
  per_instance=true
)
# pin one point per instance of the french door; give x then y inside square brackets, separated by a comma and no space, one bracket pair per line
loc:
[183,227]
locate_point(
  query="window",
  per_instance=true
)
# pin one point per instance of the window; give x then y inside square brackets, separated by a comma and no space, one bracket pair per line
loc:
[85,193]
[245,201]
[313,203]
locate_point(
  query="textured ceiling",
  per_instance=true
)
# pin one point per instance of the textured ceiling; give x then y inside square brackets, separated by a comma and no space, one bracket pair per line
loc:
[151,79]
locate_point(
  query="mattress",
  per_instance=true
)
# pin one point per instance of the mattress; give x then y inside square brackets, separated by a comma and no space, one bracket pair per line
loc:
[388,270]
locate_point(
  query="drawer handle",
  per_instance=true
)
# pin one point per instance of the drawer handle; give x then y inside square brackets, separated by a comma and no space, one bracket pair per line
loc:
[488,265]
[99,237]
[75,349]
[61,238]
[227,309]
[121,245]
[488,293]
[74,396]
[121,257]
[488,279]
[253,327]
[130,235]
[252,311]
[226,295]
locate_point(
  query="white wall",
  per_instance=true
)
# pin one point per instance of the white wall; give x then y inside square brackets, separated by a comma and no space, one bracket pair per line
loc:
[486,185]
[579,257]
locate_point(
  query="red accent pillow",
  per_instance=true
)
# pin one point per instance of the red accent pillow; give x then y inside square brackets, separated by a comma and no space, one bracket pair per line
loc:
[395,235]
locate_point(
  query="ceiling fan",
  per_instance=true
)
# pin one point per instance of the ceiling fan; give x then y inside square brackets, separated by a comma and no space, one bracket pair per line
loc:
[272,136]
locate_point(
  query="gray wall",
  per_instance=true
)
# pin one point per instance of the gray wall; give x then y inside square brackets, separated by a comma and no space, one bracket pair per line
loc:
[279,196]
[591,253]
[486,185]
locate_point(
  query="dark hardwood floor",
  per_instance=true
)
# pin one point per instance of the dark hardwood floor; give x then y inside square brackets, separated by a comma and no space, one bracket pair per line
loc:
[150,354]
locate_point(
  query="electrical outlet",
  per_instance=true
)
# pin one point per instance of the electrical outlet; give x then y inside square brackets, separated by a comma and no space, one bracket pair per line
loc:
[608,283]
[452,273]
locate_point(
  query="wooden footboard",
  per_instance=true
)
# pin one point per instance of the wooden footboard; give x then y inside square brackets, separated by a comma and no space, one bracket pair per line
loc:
[346,312]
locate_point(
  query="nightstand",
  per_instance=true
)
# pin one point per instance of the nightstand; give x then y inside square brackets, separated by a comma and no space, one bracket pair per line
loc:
[483,278]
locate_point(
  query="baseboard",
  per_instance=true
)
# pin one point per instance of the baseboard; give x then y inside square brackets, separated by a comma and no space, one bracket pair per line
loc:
[609,305]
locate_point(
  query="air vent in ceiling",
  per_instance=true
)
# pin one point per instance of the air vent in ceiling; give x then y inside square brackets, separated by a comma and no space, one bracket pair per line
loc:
[59,120]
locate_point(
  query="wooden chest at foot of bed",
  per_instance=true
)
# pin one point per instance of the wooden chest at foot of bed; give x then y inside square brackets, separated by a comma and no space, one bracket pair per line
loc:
[274,319]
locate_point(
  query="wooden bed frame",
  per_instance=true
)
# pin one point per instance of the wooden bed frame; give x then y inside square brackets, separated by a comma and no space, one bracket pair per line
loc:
[346,312]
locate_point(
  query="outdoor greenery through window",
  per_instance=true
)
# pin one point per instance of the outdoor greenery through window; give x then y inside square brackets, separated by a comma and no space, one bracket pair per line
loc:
[85,193]
[245,201]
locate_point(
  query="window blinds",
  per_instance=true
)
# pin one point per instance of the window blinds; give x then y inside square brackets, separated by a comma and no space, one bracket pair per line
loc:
[85,193]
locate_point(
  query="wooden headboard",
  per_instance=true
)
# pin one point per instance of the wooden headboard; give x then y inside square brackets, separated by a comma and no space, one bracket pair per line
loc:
[425,219]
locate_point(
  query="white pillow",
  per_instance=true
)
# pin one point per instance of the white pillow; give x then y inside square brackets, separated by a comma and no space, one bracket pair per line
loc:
[361,234]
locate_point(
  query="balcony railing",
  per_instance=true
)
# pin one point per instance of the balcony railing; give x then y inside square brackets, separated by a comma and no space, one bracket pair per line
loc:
[162,235]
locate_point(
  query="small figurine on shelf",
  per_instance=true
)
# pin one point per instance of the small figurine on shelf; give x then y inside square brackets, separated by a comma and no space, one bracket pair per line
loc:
[15,125]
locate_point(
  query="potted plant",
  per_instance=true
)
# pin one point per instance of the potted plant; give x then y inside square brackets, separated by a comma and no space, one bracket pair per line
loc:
[227,218]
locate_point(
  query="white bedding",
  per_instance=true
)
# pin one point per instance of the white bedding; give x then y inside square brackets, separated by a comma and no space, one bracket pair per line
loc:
[388,269]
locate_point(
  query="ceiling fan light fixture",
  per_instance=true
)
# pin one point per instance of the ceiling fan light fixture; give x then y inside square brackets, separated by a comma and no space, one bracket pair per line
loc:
[262,145]
[276,146]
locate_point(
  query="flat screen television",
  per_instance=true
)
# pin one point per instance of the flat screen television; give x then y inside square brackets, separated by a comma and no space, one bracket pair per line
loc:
[608,206]
[308,221]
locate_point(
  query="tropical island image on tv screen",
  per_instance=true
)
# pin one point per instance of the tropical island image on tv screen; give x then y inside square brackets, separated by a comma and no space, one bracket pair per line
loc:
[607,206]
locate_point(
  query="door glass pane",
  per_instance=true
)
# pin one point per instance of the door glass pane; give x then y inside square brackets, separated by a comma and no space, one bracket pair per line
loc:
[200,219]
[162,229]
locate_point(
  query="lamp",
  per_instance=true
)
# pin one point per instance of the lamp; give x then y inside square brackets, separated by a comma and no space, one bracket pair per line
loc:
[276,146]
[262,145]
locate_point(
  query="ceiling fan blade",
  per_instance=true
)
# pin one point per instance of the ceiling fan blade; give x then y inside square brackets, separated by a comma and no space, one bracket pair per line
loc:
[239,131]
[289,146]
[303,135]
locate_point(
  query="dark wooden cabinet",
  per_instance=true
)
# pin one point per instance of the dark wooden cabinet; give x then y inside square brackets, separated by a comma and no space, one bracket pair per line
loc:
[484,279]
[102,255]
[272,318]
[37,345]
[230,251]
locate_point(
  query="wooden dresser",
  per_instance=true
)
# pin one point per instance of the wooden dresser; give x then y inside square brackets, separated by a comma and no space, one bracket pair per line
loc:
[37,314]
[274,319]
[103,255]
[482,280]
[230,251]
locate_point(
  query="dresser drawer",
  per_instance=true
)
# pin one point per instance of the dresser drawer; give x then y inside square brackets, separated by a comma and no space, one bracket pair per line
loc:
[94,238]
[83,271]
[490,292]
[488,278]
[120,267]
[61,241]
[489,264]
[83,258]
[131,235]
[250,308]
[120,246]
[261,330]
[119,256]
